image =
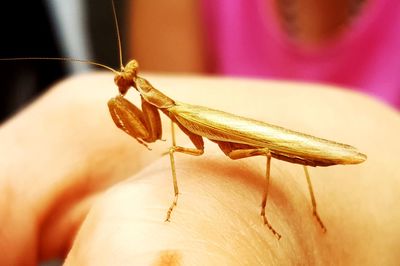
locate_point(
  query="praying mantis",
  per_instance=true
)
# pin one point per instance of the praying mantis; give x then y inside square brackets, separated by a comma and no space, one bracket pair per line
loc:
[238,137]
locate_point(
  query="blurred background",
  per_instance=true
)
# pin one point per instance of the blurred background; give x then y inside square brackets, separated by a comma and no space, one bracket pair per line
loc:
[350,43]
[81,29]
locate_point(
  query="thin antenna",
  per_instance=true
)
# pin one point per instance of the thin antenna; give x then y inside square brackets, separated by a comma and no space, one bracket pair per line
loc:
[60,59]
[118,35]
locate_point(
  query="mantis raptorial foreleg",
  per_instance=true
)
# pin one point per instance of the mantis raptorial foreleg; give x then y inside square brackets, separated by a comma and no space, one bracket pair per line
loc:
[143,125]
[199,150]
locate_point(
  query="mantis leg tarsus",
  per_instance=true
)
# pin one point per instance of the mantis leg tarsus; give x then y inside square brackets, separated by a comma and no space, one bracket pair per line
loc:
[143,143]
[313,201]
[319,221]
[278,236]
[173,205]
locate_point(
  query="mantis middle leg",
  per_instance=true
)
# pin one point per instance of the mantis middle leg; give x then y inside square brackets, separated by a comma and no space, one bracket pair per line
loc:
[239,151]
[313,201]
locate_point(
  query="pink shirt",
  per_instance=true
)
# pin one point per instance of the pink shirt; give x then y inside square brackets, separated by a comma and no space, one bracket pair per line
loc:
[244,39]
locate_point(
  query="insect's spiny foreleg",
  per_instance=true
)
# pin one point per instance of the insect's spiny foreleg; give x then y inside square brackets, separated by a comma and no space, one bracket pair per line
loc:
[313,201]
[199,150]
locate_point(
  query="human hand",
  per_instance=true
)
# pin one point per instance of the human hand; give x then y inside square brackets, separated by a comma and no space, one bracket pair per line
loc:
[217,218]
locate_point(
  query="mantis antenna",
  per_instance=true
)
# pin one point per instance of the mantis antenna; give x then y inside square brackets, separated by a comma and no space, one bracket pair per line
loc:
[118,35]
[80,60]
[60,59]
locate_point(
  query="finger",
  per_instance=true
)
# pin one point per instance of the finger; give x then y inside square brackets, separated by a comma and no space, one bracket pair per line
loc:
[216,220]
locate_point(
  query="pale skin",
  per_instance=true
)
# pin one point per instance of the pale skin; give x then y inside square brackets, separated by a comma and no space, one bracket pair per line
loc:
[62,158]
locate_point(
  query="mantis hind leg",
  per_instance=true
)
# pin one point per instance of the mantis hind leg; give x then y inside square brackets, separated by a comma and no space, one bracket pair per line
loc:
[313,201]
[199,150]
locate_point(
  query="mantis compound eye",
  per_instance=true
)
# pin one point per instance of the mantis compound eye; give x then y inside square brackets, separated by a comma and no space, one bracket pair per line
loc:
[132,67]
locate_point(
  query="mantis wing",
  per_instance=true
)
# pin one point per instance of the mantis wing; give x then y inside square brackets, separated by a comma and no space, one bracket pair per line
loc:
[221,126]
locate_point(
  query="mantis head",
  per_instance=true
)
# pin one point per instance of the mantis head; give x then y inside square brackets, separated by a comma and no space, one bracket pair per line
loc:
[126,77]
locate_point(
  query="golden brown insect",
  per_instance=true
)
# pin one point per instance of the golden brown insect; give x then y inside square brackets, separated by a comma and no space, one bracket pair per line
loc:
[238,137]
